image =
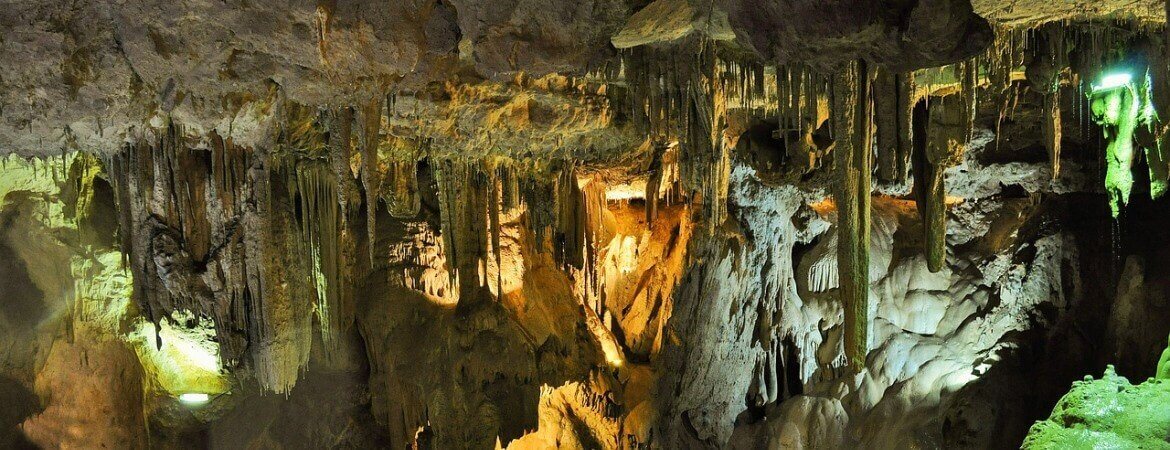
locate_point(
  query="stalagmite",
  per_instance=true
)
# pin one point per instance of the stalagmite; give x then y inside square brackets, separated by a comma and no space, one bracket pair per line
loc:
[852,125]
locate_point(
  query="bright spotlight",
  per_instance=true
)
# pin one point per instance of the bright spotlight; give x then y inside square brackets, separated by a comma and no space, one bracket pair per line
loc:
[194,398]
[1113,81]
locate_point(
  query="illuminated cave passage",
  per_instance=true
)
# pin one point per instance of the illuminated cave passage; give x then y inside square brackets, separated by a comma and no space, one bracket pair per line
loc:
[585,224]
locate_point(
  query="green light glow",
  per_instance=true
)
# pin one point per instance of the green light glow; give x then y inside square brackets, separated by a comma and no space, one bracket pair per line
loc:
[1108,412]
[1120,105]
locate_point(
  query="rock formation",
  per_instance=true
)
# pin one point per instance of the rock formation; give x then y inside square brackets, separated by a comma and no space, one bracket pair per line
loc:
[588,224]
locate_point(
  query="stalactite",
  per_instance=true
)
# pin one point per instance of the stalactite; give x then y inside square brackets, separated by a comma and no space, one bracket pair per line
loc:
[594,205]
[943,126]
[906,101]
[339,124]
[338,147]
[1118,112]
[824,273]
[230,171]
[402,195]
[1049,57]
[403,200]
[1158,153]
[539,194]
[282,319]
[321,220]
[494,200]
[654,184]
[1052,133]
[713,167]
[511,195]
[1001,61]
[77,191]
[852,125]
[885,99]
[371,173]
[893,103]
[446,178]
[571,228]
[968,95]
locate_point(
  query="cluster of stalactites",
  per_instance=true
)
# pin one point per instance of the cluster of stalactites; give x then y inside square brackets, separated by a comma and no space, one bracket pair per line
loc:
[923,127]
[819,115]
[165,187]
[580,209]
[802,109]
[184,211]
[469,214]
[321,230]
[563,213]
[389,167]
[243,236]
[1048,56]
[686,99]
[922,122]
[1059,58]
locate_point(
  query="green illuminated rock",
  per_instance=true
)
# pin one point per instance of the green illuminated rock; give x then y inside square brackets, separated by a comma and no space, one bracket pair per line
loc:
[1120,110]
[1117,112]
[1107,413]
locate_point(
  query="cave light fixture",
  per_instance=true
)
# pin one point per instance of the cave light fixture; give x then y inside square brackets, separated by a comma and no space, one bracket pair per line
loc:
[194,398]
[1113,80]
